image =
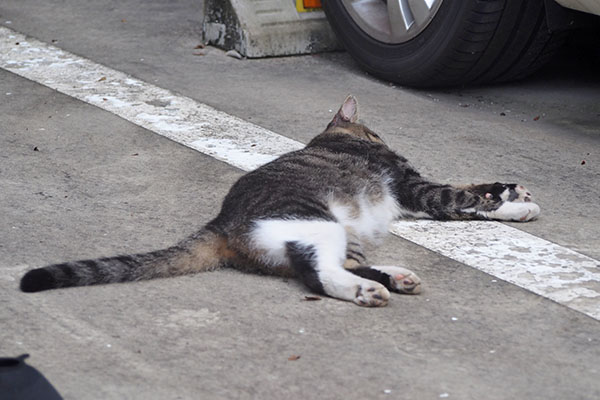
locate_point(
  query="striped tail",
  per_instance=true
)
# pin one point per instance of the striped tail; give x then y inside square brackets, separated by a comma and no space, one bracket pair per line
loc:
[201,251]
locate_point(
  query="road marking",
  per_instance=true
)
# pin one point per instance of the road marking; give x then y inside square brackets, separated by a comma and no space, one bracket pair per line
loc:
[545,268]
[184,120]
[542,267]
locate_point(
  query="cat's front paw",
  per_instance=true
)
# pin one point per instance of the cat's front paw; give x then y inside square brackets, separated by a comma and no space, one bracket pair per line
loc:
[509,192]
[372,294]
[518,212]
[523,195]
[402,280]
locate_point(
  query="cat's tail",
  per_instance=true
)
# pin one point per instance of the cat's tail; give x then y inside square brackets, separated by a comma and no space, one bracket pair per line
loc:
[201,251]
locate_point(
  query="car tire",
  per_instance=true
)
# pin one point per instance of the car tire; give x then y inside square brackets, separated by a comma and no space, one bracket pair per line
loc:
[466,42]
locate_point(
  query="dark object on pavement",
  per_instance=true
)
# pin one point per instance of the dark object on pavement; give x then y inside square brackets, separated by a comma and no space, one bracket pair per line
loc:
[19,381]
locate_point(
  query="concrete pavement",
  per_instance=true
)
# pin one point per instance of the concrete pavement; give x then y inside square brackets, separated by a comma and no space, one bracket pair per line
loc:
[99,185]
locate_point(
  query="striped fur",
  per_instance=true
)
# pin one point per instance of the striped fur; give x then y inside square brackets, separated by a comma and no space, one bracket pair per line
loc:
[307,214]
[202,251]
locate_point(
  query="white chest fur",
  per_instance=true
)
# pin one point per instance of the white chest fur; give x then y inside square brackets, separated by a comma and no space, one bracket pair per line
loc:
[366,215]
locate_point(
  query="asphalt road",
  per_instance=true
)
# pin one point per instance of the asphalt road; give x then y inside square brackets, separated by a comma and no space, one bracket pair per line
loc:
[77,181]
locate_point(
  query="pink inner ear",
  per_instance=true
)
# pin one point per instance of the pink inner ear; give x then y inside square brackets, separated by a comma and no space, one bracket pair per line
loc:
[349,109]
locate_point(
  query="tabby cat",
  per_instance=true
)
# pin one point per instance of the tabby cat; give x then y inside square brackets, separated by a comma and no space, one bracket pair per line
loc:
[306,214]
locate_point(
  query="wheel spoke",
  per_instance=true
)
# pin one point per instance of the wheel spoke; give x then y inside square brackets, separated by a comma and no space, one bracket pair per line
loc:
[392,21]
[400,18]
[420,10]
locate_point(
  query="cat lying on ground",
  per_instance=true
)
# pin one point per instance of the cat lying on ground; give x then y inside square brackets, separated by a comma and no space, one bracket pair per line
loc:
[306,214]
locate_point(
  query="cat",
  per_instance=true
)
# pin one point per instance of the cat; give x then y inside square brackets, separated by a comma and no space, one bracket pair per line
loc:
[306,214]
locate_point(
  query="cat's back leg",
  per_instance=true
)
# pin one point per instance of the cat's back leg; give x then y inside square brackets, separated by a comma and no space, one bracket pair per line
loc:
[394,278]
[316,250]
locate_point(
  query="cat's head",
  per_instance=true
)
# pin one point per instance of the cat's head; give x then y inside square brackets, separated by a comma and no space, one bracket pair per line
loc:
[345,121]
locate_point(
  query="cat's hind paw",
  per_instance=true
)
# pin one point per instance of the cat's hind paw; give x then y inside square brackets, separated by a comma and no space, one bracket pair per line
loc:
[372,294]
[402,280]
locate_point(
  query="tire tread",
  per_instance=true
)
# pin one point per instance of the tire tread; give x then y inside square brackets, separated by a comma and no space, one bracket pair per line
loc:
[487,41]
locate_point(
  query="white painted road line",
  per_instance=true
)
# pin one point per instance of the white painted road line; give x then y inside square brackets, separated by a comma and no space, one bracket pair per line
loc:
[547,269]
[184,120]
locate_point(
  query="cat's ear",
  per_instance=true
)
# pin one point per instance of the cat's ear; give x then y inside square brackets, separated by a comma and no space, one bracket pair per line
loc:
[348,112]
